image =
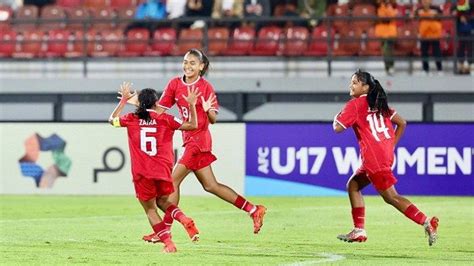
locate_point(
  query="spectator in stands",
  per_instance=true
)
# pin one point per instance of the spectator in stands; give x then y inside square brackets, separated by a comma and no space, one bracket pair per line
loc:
[312,9]
[13,4]
[255,9]
[149,13]
[199,8]
[228,9]
[175,8]
[386,29]
[38,3]
[430,31]
[465,31]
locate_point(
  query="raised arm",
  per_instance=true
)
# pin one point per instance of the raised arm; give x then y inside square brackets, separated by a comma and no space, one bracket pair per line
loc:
[191,98]
[401,125]
[207,105]
[125,95]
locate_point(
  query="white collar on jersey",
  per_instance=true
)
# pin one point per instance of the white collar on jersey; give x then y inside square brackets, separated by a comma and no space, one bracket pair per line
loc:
[363,95]
[188,84]
[151,110]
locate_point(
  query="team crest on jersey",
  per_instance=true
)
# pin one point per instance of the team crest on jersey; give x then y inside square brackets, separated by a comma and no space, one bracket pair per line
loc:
[152,122]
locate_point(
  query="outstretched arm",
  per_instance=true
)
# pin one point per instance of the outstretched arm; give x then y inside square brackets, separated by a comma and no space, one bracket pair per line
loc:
[207,105]
[124,96]
[191,98]
[401,125]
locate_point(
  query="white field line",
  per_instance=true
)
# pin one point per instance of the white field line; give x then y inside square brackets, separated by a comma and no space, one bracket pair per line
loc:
[326,257]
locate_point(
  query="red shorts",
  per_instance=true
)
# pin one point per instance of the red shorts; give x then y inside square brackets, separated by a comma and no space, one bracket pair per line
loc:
[147,188]
[380,180]
[194,159]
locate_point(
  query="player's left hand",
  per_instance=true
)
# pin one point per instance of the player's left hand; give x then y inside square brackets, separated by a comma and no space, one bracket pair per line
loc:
[209,103]
[125,92]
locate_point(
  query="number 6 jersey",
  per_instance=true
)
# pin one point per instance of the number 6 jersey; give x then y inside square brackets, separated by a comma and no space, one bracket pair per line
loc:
[150,144]
[374,133]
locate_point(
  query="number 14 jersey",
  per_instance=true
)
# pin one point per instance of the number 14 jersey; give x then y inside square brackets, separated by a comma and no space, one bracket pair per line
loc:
[374,133]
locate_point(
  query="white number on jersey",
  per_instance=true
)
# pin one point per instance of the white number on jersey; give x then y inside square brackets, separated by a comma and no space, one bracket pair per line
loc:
[185,113]
[377,126]
[144,140]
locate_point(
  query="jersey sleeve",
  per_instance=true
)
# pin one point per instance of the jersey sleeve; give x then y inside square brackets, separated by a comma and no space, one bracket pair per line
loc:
[392,113]
[167,99]
[174,122]
[209,92]
[348,116]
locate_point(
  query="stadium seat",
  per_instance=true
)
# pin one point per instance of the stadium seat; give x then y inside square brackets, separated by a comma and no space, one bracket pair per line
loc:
[29,44]
[241,42]
[406,42]
[95,4]
[106,15]
[347,43]
[337,11]
[125,16]
[363,11]
[77,43]
[107,43]
[136,42]
[26,17]
[217,40]
[268,41]
[123,3]
[188,39]
[371,46]
[78,18]
[7,42]
[57,43]
[296,41]
[318,45]
[69,3]
[52,12]
[6,14]
[163,41]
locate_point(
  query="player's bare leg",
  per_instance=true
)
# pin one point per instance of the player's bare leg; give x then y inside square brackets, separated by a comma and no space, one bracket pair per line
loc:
[406,207]
[208,181]
[354,188]
[158,226]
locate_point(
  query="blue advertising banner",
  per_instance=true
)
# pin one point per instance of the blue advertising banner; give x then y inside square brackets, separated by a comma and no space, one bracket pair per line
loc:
[309,159]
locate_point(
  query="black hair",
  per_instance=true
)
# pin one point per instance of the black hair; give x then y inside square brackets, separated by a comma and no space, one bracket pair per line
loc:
[376,96]
[146,99]
[202,58]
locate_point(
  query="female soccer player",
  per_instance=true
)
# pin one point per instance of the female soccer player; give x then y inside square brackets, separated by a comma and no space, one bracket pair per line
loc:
[371,119]
[198,155]
[150,139]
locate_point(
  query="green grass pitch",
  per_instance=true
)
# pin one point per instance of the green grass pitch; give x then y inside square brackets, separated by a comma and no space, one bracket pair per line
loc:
[58,230]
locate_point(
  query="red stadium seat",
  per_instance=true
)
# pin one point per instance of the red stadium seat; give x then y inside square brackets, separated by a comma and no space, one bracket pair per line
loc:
[29,15]
[241,42]
[6,14]
[318,45]
[29,44]
[296,41]
[188,39]
[57,43]
[125,16]
[54,13]
[78,18]
[406,43]
[107,17]
[163,41]
[363,11]
[123,3]
[107,43]
[371,45]
[95,4]
[268,41]
[347,44]
[69,3]
[7,42]
[136,42]
[77,43]
[335,11]
[447,43]
[218,39]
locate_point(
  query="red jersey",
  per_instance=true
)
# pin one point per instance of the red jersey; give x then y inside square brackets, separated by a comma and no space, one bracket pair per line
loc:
[150,144]
[173,94]
[374,133]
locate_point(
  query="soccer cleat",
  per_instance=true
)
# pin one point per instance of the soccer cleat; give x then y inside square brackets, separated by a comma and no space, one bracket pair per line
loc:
[431,229]
[152,238]
[257,217]
[191,228]
[356,235]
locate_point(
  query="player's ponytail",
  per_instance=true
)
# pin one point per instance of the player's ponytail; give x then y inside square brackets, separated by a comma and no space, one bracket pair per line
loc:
[146,99]
[203,58]
[376,96]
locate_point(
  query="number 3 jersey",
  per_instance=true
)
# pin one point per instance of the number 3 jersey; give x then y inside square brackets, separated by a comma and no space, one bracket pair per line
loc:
[374,133]
[173,94]
[150,144]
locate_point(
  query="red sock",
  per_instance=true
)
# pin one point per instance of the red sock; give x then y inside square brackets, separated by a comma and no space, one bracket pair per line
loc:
[415,215]
[162,232]
[168,219]
[175,213]
[358,216]
[243,204]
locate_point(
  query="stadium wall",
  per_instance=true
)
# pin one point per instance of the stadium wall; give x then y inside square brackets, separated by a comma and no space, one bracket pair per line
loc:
[257,159]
